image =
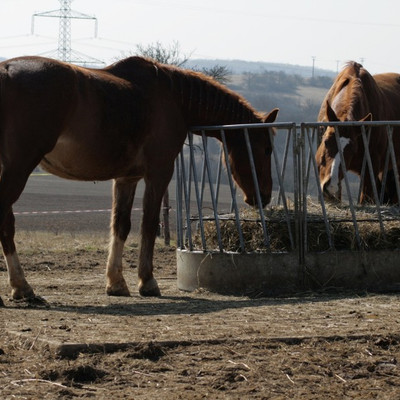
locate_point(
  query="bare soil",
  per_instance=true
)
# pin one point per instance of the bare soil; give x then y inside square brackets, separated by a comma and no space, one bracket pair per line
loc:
[185,345]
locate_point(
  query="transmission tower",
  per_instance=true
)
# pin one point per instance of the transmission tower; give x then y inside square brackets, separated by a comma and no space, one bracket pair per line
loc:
[64,51]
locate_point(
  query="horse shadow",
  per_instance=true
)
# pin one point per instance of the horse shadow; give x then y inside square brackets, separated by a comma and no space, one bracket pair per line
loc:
[181,305]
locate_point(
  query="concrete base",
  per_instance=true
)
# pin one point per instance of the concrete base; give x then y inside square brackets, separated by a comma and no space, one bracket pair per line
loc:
[276,274]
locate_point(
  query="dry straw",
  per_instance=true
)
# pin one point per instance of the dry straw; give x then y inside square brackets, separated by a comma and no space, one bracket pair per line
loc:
[341,228]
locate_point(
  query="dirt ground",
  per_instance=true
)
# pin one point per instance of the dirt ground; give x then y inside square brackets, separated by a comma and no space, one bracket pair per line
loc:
[185,345]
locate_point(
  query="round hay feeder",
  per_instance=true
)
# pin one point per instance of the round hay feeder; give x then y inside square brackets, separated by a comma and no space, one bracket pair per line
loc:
[298,244]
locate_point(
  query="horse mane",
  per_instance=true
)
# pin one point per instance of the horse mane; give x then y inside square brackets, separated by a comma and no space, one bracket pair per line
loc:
[363,87]
[203,99]
[209,101]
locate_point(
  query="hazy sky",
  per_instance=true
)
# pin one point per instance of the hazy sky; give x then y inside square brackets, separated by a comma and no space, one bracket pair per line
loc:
[290,31]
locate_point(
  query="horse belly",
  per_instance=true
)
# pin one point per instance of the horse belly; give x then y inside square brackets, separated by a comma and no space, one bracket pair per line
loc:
[95,160]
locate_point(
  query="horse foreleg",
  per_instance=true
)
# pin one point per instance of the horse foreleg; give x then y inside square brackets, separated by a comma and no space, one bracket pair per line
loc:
[20,288]
[11,186]
[153,195]
[123,195]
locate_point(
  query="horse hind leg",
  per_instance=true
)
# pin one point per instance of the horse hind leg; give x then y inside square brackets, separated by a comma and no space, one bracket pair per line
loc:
[154,192]
[123,196]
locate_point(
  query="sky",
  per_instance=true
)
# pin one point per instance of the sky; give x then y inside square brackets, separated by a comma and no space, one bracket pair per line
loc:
[324,32]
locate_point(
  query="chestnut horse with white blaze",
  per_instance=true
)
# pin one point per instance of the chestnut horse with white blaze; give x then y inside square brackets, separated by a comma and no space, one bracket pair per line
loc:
[358,96]
[125,122]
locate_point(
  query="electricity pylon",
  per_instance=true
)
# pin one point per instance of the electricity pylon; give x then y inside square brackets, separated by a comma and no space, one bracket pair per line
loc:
[64,51]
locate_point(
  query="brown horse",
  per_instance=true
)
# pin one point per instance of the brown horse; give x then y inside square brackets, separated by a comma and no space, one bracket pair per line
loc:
[125,122]
[358,96]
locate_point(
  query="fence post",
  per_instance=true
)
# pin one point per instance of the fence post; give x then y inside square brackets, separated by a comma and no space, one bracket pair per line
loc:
[167,233]
[300,198]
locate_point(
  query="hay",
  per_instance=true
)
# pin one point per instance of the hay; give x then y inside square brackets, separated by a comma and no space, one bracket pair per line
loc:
[341,228]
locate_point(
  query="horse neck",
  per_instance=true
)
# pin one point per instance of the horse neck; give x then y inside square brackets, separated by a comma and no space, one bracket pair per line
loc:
[206,102]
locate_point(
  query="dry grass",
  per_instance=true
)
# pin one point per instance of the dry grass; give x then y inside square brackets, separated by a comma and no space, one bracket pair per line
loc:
[341,229]
[33,242]
[29,242]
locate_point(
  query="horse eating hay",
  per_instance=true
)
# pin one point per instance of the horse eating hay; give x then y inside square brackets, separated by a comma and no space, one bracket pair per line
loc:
[358,96]
[125,122]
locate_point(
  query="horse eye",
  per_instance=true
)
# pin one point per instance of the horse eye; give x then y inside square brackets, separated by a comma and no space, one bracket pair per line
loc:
[345,83]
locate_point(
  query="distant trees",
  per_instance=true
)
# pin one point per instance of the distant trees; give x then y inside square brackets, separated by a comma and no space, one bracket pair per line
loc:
[270,89]
[281,82]
[166,55]
[219,72]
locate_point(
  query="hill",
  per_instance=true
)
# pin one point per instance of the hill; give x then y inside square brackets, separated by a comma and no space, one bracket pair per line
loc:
[242,66]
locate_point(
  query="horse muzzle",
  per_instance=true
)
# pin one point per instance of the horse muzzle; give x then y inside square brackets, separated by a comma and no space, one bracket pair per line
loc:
[331,193]
[252,201]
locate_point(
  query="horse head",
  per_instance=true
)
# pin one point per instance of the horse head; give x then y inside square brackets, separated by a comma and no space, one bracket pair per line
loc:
[343,145]
[261,145]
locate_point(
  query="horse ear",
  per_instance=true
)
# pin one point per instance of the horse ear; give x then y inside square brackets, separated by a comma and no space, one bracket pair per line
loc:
[271,116]
[367,118]
[332,117]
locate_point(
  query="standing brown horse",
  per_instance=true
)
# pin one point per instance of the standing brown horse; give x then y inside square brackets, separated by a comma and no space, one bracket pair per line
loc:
[358,96]
[125,122]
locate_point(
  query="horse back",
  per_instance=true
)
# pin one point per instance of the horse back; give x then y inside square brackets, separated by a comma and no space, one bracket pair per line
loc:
[80,119]
[389,84]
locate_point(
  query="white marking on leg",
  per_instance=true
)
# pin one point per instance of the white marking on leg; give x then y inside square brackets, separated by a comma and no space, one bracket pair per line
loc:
[333,187]
[116,284]
[15,272]
[20,287]
[114,264]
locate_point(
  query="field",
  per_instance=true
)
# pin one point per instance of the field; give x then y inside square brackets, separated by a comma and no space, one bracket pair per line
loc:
[185,345]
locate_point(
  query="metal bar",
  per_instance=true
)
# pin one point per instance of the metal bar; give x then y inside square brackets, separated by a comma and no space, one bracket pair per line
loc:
[285,156]
[187,204]
[233,192]
[372,177]
[346,180]
[214,204]
[278,125]
[394,162]
[386,168]
[178,189]
[320,194]
[302,209]
[196,188]
[203,176]
[218,180]
[296,193]
[310,155]
[257,189]
[282,190]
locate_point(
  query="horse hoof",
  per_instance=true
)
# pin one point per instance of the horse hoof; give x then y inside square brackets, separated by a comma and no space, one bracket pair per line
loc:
[23,294]
[37,301]
[149,289]
[32,301]
[118,289]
